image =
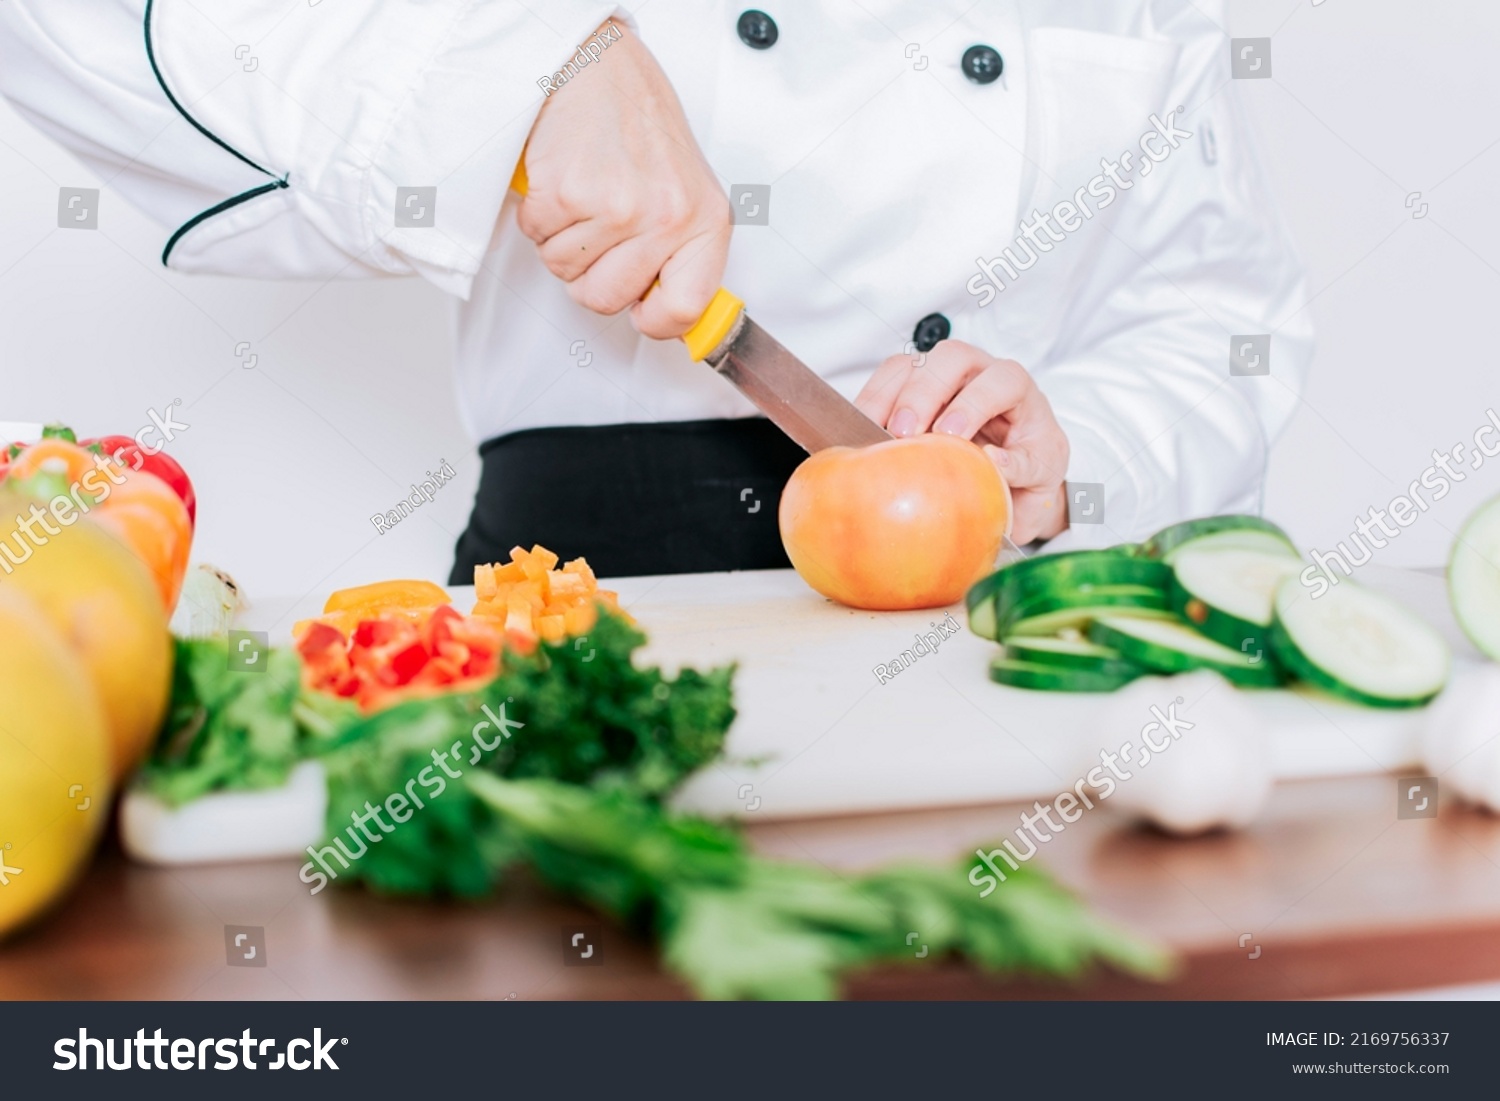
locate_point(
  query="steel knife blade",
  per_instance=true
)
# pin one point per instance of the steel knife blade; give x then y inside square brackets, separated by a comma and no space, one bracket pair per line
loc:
[786,390]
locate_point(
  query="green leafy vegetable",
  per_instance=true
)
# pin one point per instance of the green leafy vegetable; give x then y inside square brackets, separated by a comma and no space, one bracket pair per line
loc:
[231,730]
[737,926]
[582,714]
[559,766]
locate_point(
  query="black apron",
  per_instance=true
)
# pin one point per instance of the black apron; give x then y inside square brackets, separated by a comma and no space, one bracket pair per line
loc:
[680,497]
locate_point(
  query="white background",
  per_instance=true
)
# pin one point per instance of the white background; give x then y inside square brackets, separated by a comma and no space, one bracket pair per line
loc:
[351,400]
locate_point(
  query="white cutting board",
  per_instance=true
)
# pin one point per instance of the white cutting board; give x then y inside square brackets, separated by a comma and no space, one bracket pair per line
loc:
[818,733]
[835,739]
[830,738]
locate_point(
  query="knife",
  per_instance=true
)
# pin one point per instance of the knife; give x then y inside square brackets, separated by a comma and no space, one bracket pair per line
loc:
[780,385]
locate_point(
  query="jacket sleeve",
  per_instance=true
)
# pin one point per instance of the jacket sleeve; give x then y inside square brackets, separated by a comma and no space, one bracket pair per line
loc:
[1141,381]
[272,139]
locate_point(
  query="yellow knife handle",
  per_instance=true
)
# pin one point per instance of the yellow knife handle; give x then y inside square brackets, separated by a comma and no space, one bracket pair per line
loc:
[518,181]
[710,330]
[713,327]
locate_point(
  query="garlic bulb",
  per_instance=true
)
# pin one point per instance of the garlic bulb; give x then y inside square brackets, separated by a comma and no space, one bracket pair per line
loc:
[1189,754]
[1461,736]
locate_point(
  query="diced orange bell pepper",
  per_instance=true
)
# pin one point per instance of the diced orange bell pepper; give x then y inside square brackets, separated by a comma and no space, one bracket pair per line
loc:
[484,582]
[580,620]
[534,600]
[543,556]
[518,614]
[568,584]
[551,628]
[581,568]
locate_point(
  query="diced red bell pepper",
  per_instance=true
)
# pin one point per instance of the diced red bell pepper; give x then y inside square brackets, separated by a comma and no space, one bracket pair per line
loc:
[318,639]
[375,632]
[391,655]
[347,686]
[407,662]
[441,624]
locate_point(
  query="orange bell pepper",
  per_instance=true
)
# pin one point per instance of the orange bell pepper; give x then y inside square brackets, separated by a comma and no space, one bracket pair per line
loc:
[136,507]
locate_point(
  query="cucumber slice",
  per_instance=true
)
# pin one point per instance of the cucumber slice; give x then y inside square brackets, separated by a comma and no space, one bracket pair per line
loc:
[1068,653]
[1055,678]
[1260,542]
[1171,646]
[1228,594]
[982,620]
[1079,619]
[1084,596]
[1054,582]
[1474,579]
[1358,644]
[1245,532]
[1057,573]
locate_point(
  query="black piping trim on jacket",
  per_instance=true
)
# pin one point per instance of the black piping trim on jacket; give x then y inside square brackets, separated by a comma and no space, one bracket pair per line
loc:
[227,204]
[276,184]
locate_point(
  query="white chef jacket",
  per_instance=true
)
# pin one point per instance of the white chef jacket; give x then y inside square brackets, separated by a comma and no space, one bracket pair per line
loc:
[271,138]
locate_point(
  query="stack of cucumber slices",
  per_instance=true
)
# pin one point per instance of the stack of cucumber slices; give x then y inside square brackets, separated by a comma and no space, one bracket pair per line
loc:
[1223,593]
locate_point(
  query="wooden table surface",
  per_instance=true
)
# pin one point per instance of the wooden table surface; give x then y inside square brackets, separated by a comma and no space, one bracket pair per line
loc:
[1339,895]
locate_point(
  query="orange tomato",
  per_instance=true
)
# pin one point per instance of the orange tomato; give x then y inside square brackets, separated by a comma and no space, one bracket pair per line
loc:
[911,523]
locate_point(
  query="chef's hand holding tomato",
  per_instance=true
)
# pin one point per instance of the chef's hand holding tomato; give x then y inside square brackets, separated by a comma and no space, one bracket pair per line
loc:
[957,389]
[619,195]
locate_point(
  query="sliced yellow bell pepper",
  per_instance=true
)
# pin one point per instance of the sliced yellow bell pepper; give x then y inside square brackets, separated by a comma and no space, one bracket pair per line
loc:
[383,596]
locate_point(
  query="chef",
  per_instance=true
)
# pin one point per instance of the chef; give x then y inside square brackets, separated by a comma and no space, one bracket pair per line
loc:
[1039,225]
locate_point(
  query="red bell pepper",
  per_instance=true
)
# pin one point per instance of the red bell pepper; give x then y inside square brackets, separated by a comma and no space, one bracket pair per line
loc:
[126,450]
